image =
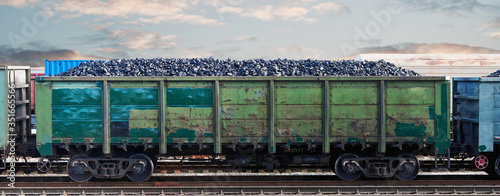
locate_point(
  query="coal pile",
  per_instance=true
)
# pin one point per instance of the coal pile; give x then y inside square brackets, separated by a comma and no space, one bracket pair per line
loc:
[494,74]
[229,67]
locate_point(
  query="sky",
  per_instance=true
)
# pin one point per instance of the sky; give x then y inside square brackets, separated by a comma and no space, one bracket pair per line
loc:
[35,30]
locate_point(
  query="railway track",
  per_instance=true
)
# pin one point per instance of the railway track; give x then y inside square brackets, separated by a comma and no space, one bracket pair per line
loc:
[417,187]
[204,166]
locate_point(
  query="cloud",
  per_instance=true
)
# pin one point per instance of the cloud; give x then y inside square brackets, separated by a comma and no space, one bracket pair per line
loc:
[299,52]
[36,58]
[243,38]
[193,52]
[494,34]
[429,48]
[240,38]
[270,12]
[148,11]
[285,13]
[108,50]
[453,7]
[135,39]
[116,53]
[18,3]
[323,8]
[495,23]
[229,9]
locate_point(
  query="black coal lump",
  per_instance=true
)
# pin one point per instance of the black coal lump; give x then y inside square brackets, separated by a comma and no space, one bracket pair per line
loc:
[230,67]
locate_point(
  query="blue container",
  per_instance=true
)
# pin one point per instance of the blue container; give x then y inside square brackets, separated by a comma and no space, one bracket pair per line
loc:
[58,66]
[476,105]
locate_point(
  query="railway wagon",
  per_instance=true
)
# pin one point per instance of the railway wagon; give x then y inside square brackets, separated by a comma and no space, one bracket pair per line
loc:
[476,120]
[15,126]
[118,126]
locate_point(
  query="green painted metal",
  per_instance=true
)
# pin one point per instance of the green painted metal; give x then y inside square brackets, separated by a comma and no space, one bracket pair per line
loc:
[44,118]
[354,110]
[442,109]
[382,136]
[271,118]
[202,97]
[244,111]
[217,121]
[326,118]
[134,110]
[76,110]
[106,133]
[133,96]
[163,131]
[291,110]
[291,97]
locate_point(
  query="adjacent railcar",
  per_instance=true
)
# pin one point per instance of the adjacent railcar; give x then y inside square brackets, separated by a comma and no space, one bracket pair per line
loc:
[15,112]
[476,120]
[118,126]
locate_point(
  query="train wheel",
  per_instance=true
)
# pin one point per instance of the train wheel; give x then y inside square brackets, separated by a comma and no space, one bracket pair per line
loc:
[43,165]
[141,169]
[410,168]
[497,167]
[76,169]
[347,172]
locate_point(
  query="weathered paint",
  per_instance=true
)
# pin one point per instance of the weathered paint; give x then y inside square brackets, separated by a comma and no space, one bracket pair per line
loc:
[244,111]
[442,105]
[354,110]
[410,92]
[183,133]
[291,97]
[410,130]
[248,115]
[76,110]
[189,97]
[354,127]
[44,117]
[482,148]
[178,82]
[134,109]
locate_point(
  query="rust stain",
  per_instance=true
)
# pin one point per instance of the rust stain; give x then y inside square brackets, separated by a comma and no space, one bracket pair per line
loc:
[285,132]
[252,115]
[246,99]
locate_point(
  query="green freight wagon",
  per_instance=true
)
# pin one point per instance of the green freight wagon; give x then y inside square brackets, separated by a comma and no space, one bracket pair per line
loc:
[117,126]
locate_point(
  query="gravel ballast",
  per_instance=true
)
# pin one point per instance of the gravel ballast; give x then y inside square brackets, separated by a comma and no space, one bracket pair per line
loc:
[229,67]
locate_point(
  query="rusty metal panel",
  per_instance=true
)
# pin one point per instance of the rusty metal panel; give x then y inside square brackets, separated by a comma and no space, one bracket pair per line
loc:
[295,126]
[134,110]
[354,92]
[189,111]
[298,112]
[354,110]
[410,92]
[299,93]
[357,128]
[244,111]
[298,128]
[410,110]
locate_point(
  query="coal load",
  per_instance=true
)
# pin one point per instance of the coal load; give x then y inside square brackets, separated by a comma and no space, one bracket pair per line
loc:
[494,74]
[229,67]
